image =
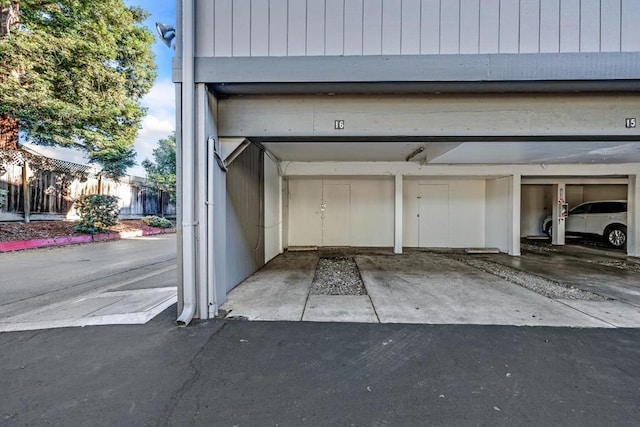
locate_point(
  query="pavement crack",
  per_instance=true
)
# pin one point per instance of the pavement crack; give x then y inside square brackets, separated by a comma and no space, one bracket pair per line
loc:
[196,365]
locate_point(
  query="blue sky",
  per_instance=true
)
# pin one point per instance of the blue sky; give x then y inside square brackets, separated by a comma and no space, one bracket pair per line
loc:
[160,101]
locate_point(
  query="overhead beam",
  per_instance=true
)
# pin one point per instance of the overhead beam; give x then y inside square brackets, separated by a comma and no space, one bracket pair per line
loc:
[429,117]
[478,68]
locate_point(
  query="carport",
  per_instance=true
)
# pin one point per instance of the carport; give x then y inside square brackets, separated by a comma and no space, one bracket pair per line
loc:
[398,125]
[370,187]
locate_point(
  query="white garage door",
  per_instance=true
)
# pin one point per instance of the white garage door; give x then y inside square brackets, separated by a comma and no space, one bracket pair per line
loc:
[434,215]
[336,231]
[341,212]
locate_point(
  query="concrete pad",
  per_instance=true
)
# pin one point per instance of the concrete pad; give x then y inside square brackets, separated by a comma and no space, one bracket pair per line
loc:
[614,312]
[435,289]
[339,308]
[106,308]
[278,291]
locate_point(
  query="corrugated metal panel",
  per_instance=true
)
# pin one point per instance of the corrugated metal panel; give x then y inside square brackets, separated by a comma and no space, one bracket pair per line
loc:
[409,27]
[245,208]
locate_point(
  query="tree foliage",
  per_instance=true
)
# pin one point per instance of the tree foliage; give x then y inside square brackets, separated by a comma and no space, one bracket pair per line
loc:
[73,73]
[162,171]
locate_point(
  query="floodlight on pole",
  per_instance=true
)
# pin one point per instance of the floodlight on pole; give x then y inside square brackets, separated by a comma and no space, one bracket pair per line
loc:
[167,33]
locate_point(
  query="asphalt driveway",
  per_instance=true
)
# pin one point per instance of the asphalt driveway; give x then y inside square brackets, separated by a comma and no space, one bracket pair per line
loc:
[236,373]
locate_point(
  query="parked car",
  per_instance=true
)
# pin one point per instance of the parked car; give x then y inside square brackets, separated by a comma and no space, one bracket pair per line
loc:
[605,218]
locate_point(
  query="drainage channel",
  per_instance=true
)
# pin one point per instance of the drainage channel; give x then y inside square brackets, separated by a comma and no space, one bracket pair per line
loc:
[337,276]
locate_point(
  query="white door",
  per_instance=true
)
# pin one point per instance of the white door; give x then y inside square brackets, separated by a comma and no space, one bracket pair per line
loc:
[336,214]
[433,228]
[305,215]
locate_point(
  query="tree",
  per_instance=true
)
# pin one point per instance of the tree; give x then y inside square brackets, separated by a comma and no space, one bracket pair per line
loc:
[72,72]
[162,171]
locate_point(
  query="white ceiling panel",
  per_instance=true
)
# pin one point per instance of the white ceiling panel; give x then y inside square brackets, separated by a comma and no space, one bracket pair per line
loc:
[516,152]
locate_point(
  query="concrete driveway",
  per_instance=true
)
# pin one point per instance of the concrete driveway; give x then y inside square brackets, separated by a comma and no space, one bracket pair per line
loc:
[592,289]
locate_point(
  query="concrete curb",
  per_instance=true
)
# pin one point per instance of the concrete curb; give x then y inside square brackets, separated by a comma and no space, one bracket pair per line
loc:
[19,245]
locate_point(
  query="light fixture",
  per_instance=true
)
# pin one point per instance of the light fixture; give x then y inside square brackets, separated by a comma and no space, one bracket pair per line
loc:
[414,153]
[167,33]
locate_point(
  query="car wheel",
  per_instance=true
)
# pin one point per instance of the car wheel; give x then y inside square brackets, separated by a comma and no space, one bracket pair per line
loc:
[616,236]
[549,230]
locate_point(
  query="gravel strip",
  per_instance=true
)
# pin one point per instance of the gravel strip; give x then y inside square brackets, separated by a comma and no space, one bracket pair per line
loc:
[337,276]
[622,265]
[540,285]
[537,248]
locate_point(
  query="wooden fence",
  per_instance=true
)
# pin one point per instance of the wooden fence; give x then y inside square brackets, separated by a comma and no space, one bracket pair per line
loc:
[52,194]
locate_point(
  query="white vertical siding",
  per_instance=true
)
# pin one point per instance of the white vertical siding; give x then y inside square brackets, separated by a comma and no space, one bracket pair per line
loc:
[529,26]
[590,18]
[334,21]
[450,27]
[372,27]
[549,26]
[278,27]
[469,26]
[259,27]
[509,27]
[391,27]
[223,28]
[297,20]
[570,25]
[410,27]
[204,24]
[241,42]
[630,37]
[610,25]
[430,27]
[489,26]
[353,15]
[316,21]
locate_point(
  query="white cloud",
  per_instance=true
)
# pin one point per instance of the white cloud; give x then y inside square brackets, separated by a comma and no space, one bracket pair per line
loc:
[159,122]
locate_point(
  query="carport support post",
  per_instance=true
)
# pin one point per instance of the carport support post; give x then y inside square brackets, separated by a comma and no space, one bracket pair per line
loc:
[397,246]
[559,197]
[516,189]
[633,216]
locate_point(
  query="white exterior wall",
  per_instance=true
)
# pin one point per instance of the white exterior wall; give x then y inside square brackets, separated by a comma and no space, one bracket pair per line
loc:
[227,28]
[272,204]
[371,211]
[465,211]
[498,213]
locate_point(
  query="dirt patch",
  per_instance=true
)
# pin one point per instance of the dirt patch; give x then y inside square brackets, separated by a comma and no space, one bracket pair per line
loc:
[12,231]
[337,276]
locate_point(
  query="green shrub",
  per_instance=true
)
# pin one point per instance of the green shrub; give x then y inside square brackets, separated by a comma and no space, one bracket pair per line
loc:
[156,221]
[97,213]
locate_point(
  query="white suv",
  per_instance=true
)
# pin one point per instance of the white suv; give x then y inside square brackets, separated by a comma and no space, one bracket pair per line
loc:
[606,218]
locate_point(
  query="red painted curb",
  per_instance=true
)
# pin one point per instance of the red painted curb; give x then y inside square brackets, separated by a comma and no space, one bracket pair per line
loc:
[19,245]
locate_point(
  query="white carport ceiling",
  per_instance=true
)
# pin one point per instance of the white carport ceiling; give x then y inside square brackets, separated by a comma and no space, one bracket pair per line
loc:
[516,152]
